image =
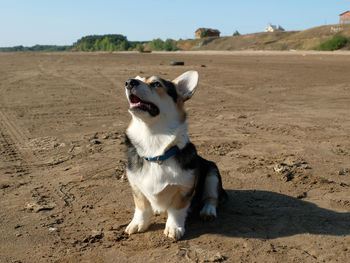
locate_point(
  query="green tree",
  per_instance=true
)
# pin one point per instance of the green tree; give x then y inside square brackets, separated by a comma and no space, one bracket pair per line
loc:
[104,44]
[97,45]
[157,44]
[170,45]
[124,45]
[111,46]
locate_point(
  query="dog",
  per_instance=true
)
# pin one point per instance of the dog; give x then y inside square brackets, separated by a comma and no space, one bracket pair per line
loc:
[164,170]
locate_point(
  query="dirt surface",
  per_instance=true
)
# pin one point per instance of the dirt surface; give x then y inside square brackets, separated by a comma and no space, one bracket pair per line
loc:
[278,127]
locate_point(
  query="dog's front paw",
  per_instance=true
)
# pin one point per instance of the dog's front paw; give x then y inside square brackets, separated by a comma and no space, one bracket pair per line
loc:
[136,226]
[208,212]
[174,231]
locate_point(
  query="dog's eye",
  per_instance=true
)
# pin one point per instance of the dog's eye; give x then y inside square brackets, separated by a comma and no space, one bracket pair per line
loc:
[155,84]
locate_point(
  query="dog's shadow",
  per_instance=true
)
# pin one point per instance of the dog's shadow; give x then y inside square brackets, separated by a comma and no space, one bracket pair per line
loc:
[268,215]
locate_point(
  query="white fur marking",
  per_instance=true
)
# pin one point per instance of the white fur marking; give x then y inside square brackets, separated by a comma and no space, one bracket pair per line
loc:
[210,195]
[140,221]
[187,83]
[175,225]
[153,178]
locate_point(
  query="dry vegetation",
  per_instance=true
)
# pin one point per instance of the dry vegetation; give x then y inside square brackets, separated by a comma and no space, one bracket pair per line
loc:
[300,40]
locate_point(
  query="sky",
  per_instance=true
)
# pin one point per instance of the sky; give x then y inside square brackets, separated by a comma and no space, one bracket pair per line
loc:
[62,22]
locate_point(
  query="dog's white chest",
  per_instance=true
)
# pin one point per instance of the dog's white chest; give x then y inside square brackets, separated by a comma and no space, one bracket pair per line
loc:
[153,178]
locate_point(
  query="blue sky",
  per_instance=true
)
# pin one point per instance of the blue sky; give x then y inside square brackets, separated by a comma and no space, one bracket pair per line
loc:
[30,22]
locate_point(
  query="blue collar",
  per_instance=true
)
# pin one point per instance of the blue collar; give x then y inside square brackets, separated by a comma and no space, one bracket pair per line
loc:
[169,153]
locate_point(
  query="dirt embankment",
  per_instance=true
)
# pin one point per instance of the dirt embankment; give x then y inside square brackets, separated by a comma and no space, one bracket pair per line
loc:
[277,126]
[299,40]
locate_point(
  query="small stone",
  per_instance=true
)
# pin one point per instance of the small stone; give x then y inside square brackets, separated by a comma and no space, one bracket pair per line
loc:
[95,136]
[302,195]
[4,186]
[278,168]
[34,207]
[96,142]
[217,258]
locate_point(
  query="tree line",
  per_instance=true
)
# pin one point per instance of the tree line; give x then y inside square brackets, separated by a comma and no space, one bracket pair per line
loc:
[105,43]
[110,42]
[36,48]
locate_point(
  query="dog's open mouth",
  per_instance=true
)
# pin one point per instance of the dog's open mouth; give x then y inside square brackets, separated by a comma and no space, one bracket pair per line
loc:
[137,104]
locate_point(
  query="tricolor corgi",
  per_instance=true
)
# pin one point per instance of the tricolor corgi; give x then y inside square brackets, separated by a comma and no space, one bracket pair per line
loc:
[164,170]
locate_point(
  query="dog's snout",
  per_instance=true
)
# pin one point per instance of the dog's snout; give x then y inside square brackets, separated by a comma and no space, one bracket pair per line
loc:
[130,83]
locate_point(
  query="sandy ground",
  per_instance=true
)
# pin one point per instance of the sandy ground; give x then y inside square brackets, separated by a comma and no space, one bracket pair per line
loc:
[278,127]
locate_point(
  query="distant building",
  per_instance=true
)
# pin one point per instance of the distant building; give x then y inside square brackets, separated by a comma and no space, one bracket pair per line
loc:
[207,32]
[273,28]
[344,18]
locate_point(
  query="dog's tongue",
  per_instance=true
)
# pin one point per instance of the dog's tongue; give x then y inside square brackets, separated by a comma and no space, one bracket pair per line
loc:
[136,102]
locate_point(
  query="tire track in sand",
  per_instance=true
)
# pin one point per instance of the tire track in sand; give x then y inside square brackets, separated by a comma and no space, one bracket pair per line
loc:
[13,143]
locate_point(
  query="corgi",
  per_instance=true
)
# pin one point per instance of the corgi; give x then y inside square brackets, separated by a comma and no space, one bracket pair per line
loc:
[164,170]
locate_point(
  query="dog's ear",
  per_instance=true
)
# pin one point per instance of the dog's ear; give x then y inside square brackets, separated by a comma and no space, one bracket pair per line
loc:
[186,84]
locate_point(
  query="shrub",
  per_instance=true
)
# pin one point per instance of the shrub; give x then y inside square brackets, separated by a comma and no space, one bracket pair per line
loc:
[236,33]
[203,34]
[337,42]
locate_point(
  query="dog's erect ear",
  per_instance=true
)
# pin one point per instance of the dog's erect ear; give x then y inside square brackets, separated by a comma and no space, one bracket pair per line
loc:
[186,84]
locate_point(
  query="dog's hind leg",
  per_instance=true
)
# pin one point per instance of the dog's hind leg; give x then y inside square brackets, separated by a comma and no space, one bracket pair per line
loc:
[210,196]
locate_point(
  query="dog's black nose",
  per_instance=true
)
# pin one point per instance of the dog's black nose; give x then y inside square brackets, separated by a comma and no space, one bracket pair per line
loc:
[130,83]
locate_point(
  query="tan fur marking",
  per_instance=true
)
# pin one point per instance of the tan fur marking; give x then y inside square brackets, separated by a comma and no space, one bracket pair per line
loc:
[150,79]
[161,92]
[181,196]
[141,201]
[181,110]
[181,199]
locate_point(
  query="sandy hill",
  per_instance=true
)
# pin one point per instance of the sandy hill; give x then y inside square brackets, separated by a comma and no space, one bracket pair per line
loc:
[303,40]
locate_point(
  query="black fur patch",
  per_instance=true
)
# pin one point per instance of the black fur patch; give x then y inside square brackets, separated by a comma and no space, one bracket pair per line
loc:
[135,162]
[170,89]
[189,159]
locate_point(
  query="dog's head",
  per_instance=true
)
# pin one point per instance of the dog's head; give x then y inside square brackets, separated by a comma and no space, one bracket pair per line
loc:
[153,98]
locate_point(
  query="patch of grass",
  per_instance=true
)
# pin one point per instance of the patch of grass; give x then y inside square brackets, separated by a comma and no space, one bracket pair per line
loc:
[284,46]
[337,42]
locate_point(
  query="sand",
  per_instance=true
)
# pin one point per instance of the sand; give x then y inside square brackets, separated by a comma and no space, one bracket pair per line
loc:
[277,124]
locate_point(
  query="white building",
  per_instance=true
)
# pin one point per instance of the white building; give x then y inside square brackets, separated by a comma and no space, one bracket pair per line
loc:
[273,28]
